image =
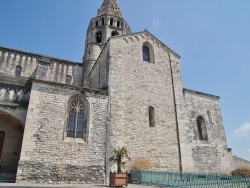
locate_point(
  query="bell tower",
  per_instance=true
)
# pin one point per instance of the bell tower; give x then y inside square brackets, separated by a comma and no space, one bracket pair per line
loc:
[108,22]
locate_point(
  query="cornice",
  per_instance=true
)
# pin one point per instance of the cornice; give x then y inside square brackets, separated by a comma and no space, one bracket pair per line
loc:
[36,55]
[201,93]
[79,88]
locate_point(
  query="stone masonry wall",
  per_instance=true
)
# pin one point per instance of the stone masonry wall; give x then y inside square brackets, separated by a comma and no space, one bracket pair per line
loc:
[237,162]
[134,85]
[39,67]
[199,155]
[100,71]
[9,59]
[46,156]
[11,150]
[58,70]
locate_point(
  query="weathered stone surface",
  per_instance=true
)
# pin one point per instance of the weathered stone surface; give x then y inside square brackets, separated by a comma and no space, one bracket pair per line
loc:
[134,85]
[45,142]
[119,89]
[49,172]
[38,66]
[203,155]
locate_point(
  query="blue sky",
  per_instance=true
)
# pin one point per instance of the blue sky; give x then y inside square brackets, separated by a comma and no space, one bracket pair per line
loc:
[212,37]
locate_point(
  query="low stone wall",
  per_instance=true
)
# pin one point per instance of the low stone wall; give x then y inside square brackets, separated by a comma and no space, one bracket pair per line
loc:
[238,163]
[39,172]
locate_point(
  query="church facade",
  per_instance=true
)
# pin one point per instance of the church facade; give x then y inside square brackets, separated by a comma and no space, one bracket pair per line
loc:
[60,120]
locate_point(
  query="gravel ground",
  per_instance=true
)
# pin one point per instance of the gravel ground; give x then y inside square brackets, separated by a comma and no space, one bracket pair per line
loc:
[16,185]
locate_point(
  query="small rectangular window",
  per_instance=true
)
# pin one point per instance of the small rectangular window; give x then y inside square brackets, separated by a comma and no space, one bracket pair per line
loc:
[68,79]
[151,116]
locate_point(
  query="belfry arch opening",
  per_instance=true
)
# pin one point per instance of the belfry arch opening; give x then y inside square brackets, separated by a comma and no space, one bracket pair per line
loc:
[111,21]
[114,33]
[11,136]
[118,23]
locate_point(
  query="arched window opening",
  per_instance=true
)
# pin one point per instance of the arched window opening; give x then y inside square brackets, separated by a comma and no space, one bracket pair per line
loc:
[96,23]
[146,54]
[151,116]
[118,23]
[111,21]
[209,115]
[103,21]
[68,79]
[202,129]
[99,37]
[18,71]
[77,118]
[114,33]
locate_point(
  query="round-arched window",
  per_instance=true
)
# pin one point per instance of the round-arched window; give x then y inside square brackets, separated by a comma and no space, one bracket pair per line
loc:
[146,54]
[99,37]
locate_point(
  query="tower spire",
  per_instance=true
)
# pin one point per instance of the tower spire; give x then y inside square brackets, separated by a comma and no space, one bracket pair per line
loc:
[110,7]
[108,23]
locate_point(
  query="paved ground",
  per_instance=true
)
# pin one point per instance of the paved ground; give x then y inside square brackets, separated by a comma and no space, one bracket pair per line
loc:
[13,185]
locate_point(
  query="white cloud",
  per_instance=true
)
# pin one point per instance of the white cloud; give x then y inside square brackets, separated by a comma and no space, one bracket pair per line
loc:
[243,131]
[155,24]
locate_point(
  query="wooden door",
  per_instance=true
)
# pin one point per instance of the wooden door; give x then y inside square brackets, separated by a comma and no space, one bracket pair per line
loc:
[2,135]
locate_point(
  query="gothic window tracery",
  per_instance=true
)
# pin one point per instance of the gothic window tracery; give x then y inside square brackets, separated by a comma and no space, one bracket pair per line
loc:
[77,118]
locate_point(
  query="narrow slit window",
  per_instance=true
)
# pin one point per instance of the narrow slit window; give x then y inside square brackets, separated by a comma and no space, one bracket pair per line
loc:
[209,117]
[103,21]
[151,116]
[96,23]
[68,79]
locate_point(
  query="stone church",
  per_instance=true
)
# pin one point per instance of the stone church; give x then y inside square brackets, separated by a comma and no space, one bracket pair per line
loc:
[60,120]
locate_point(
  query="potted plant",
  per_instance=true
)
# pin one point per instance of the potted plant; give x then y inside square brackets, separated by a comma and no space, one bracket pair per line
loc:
[119,178]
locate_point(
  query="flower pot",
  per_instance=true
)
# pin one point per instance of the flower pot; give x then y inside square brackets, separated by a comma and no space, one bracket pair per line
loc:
[118,179]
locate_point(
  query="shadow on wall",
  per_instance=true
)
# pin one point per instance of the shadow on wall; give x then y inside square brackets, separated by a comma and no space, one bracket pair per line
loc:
[11,135]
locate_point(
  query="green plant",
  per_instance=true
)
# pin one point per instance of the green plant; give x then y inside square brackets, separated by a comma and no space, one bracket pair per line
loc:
[243,172]
[118,157]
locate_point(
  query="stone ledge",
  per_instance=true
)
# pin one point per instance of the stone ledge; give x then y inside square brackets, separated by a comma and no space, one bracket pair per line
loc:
[200,93]
[37,55]
[81,89]
[8,80]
